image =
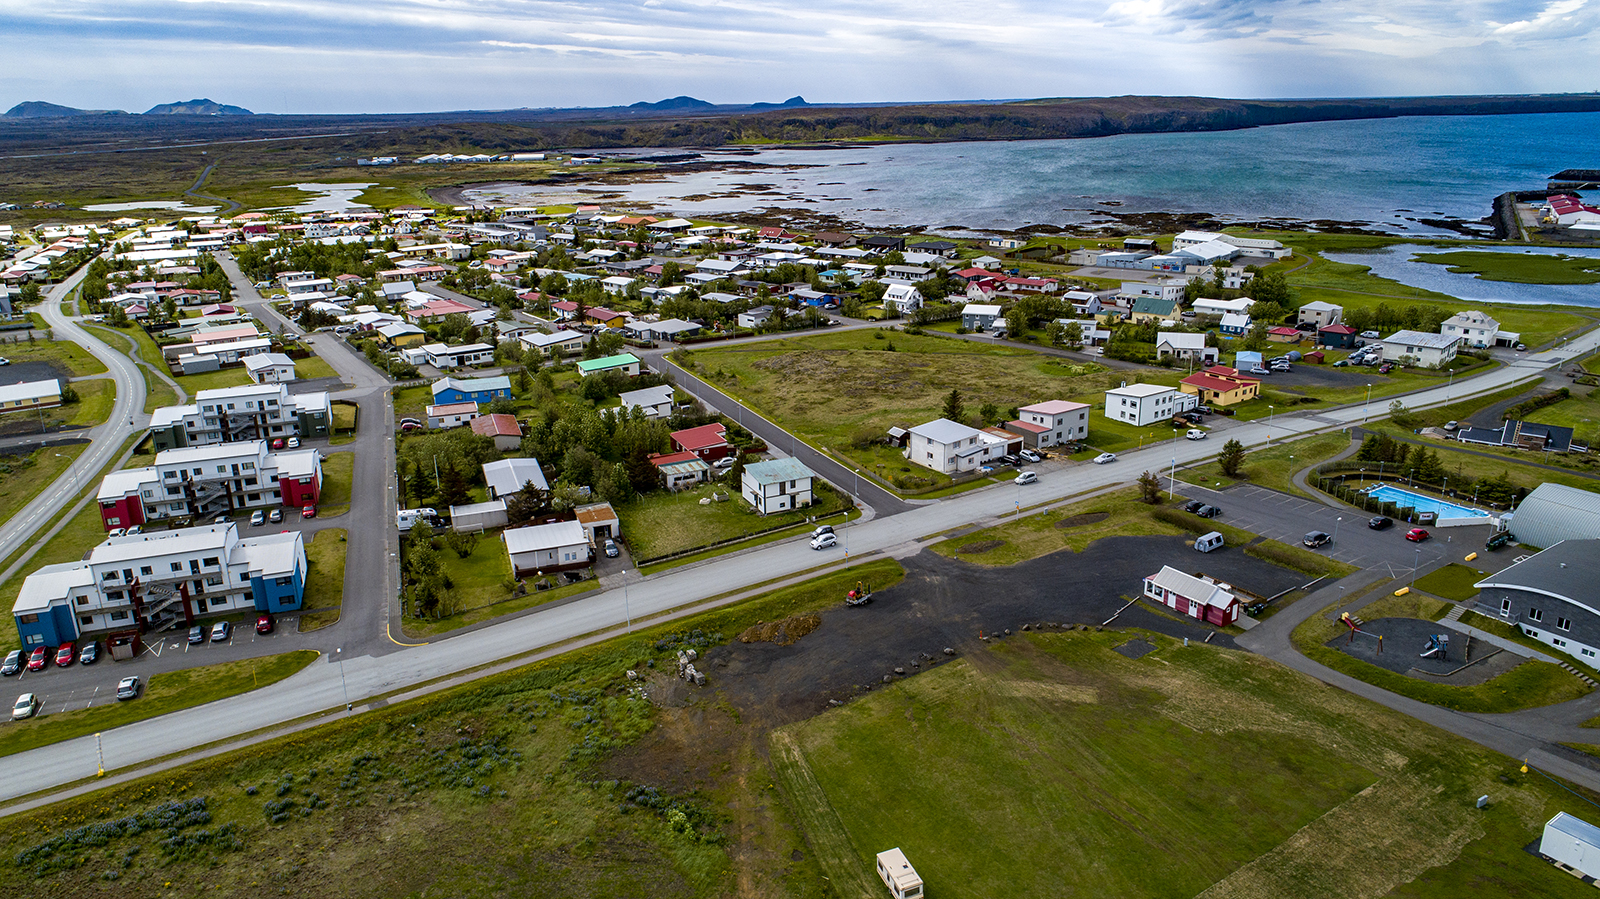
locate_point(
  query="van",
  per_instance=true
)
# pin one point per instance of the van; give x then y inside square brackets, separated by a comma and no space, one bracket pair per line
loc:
[1207,542]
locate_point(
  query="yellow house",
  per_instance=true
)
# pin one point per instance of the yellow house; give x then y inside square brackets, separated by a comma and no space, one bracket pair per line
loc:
[30,395]
[1221,385]
[398,335]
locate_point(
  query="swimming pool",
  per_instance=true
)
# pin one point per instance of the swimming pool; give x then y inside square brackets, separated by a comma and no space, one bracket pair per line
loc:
[1391,494]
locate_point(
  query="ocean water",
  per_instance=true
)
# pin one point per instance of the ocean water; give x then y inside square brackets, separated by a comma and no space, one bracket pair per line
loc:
[1383,173]
[1398,264]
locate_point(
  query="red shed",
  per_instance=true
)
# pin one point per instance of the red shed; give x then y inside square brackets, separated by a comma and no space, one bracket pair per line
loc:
[709,442]
[1196,596]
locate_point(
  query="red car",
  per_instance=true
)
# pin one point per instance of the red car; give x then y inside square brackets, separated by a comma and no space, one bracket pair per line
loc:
[264,624]
[277,444]
[308,512]
[39,658]
[66,655]
[1417,535]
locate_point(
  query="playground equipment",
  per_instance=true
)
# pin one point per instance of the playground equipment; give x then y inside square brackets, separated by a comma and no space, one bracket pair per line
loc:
[1355,628]
[860,596]
[1438,645]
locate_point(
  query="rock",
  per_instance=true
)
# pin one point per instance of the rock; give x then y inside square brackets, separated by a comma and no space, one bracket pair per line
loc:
[1008,632]
[949,651]
[887,678]
[1027,627]
[633,675]
[899,671]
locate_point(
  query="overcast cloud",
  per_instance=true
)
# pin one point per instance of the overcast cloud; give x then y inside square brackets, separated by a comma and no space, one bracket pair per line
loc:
[326,56]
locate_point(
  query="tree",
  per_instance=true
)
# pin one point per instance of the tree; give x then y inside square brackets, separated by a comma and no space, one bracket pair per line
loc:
[527,503]
[1232,458]
[1400,415]
[670,273]
[453,487]
[954,408]
[1272,287]
[989,412]
[1072,334]
[1149,488]
[461,544]
[1256,340]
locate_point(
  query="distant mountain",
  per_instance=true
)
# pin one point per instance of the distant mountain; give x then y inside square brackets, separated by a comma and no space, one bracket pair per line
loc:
[674,103]
[197,107]
[790,103]
[38,109]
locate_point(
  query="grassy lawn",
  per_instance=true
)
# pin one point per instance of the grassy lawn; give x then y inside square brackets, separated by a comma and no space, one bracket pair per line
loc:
[325,578]
[338,471]
[1529,685]
[84,531]
[1591,364]
[157,393]
[343,427]
[1453,581]
[1081,767]
[1522,268]
[1580,412]
[222,377]
[313,367]
[168,692]
[413,402]
[661,523]
[1502,629]
[23,477]
[1273,466]
[66,356]
[95,400]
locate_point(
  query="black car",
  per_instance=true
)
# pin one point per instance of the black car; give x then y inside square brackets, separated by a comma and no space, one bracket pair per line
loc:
[1317,538]
[1208,511]
[90,653]
[1193,505]
[1380,523]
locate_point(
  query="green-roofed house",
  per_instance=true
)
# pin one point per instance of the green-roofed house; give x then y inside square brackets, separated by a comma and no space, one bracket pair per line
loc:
[1151,309]
[627,363]
[777,485]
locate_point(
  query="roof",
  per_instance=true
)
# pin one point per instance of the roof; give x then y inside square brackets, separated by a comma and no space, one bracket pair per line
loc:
[1182,340]
[703,437]
[1154,306]
[599,513]
[980,309]
[773,471]
[943,430]
[1191,588]
[30,390]
[1054,407]
[267,360]
[117,484]
[1422,339]
[617,361]
[272,555]
[545,536]
[159,543]
[1320,306]
[1140,390]
[499,424]
[663,460]
[1030,427]
[297,463]
[899,869]
[472,385]
[51,582]
[507,476]
[1554,512]
[1576,828]
[1567,570]
[1335,329]
[542,340]
[647,396]
[439,409]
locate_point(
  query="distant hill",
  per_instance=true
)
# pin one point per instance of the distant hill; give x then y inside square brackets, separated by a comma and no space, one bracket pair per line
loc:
[674,103]
[38,109]
[790,103]
[197,107]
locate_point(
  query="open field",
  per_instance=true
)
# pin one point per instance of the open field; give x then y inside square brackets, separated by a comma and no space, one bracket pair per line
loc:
[1522,268]
[61,354]
[166,692]
[325,553]
[313,367]
[23,477]
[1580,412]
[1273,466]
[1189,771]
[661,523]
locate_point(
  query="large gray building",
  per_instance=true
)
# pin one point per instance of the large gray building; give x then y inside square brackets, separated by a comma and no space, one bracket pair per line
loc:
[1553,513]
[1549,596]
[247,413]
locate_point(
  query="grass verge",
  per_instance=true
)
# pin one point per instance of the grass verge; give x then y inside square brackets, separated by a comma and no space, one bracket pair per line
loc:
[338,471]
[1453,581]
[325,580]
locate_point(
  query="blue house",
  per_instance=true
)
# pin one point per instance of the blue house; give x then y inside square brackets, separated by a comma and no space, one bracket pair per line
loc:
[470,390]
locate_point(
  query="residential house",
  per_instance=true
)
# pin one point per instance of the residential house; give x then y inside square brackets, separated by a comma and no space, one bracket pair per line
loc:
[1198,597]
[951,447]
[1321,314]
[561,343]
[599,521]
[476,390]
[1090,331]
[437,309]
[1235,324]
[30,395]
[777,485]
[269,368]
[944,248]
[901,297]
[1420,348]
[1336,336]
[451,415]
[1051,423]
[1084,302]
[1205,306]
[626,363]
[1220,385]
[1154,309]
[1145,404]
[503,429]
[910,274]
[681,469]
[654,402]
[1549,596]
[1185,347]
[506,477]
[1522,435]
[148,579]
[708,442]
[544,548]
[754,318]
[463,356]
[1285,334]
[884,244]
[402,335]
[667,329]
[979,316]
[1477,330]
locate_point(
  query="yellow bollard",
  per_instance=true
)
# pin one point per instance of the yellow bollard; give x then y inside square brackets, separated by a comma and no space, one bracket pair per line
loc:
[1470,557]
[1402,591]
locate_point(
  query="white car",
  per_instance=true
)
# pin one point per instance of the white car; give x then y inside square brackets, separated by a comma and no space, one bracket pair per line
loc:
[1103,458]
[1026,477]
[824,541]
[1195,434]
[1030,456]
[294,443]
[27,706]
[723,464]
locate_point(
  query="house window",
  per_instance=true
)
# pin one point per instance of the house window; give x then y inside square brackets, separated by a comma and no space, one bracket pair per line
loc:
[83,600]
[1586,652]
[1558,642]
[108,576]
[1563,623]
[249,596]
[177,566]
[284,581]
[1535,615]
[219,600]
[86,619]
[212,561]
[119,616]
[146,570]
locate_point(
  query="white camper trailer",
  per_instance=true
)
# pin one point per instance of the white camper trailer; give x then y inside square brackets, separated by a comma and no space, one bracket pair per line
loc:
[898,875]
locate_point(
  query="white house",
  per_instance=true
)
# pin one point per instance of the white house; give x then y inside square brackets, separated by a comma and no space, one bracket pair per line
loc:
[979,316]
[1477,330]
[1165,288]
[546,547]
[1090,331]
[269,368]
[1185,347]
[951,447]
[901,297]
[1205,306]
[506,477]
[1419,348]
[469,354]
[1321,314]
[776,485]
[451,415]
[1146,404]
[1051,423]
[655,401]
[561,343]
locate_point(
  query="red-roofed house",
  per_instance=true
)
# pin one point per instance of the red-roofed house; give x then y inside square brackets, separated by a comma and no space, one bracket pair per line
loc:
[1338,336]
[1284,334]
[1221,385]
[438,309]
[708,442]
[1032,285]
[503,428]
[974,274]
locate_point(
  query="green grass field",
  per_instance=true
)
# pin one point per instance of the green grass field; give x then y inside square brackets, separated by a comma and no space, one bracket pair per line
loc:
[661,523]
[23,477]
[1031,536]
[1522,268]
[313,367]
[325,554]
[1273,466]
[1049,765]
[338,472]
[167,692]
[67,356]
[1453,581]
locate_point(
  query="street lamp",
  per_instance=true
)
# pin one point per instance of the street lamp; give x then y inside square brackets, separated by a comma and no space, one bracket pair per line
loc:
[1365,403]
[1411,478]
[339,654]
[1336,529]
[1270,412]
[1449,384]
[627,608]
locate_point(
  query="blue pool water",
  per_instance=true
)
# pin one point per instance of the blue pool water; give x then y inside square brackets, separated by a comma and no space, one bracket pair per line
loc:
[1421,503]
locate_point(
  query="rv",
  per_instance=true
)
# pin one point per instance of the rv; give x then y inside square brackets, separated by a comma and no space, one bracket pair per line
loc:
[898,875]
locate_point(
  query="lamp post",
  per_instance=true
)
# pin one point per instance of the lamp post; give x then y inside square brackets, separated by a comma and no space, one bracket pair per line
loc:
[1416,564]
[1411,478]
[627,609]
[1365,403]
[339,654]
[1270,413]
[1449,384]
[1336,529]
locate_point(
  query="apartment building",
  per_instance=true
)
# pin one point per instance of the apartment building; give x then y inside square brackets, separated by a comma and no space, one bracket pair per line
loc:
[241,414]
[198,482]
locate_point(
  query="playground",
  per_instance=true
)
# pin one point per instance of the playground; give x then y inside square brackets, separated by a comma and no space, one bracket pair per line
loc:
[1426,650]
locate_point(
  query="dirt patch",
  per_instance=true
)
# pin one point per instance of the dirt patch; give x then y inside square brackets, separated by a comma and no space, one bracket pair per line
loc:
[982,546]
[1078,521]
[783,632]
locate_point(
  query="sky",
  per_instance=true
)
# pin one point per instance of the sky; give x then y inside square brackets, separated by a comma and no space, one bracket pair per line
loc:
[340,56]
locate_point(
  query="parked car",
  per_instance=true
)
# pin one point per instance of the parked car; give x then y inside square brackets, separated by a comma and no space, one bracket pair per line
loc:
[1011,460]
[410,426]
[136,529]
[13,663]
[308,512]
[611,549]
[1370,335]
[27,706]
[128,687]
[822,529]
[411,421]
[197,635]
[1208,511]
[1195,434]
[264,623]
[4,361]
[1258,370]
[723,464]
[1417,535]
[277,444]
[258,518]
[1520,347]
[221,631]
[1341,363]
[1193,505]
[824,541]
[294,443]
[116,532]
[1103,458]
[1385,368]
[1427,518]
[1317,538]
[1026,477]
[66,655]
[1203,410]
[275,516]
[1029,455]
[1451,425]
[39,658]
[1380,523]
[90,653]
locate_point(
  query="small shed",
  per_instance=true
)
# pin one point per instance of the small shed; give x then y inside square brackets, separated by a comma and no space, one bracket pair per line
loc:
[478,516]
[1572,842]
[1313,358]
[898,875]
[898,437]
[1196,596]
